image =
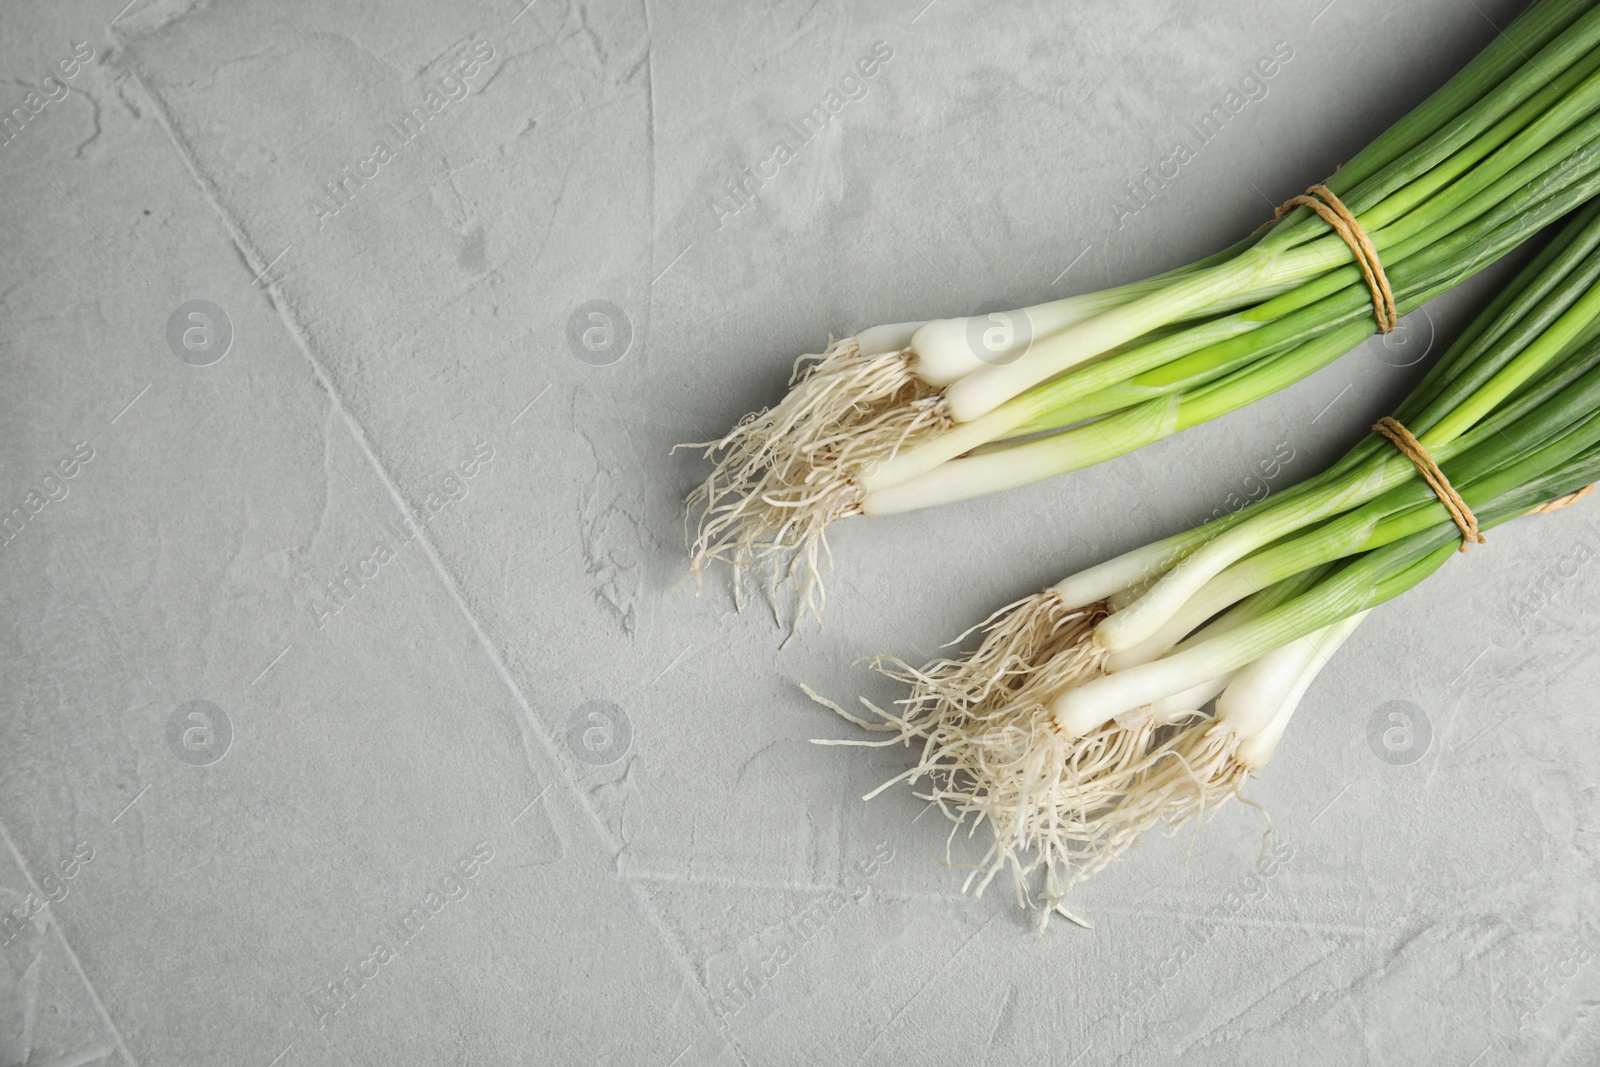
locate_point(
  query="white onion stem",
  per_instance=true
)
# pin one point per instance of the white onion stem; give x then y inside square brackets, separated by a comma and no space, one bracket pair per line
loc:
[1125,571]
[890,337]
[1277,703]
[949,349]
[1172,708]
[1142,619]
[1249,275]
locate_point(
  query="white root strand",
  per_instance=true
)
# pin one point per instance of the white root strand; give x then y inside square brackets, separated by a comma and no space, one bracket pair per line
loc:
[783,475]
[1060,808]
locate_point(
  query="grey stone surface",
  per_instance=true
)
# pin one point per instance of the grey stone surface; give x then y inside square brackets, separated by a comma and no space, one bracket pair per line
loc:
[586,793]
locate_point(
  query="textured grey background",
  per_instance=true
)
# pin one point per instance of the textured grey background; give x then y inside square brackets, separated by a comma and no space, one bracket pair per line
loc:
[1437,902]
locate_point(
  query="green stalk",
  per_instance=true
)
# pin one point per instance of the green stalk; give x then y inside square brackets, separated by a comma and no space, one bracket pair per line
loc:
[1485,90]
[1407,510]
[1557,162]
[1348,485]
[1142,373]
[1360,585]
[1365,581]
[1530,361]
[1554,151]
[1545,440]
[1418,192]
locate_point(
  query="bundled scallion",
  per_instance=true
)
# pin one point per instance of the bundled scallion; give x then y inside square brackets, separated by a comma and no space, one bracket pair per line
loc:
[907,416]
[1077,723]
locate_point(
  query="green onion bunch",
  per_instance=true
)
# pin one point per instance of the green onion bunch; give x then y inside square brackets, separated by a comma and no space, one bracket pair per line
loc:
[907,416]
[1143,691]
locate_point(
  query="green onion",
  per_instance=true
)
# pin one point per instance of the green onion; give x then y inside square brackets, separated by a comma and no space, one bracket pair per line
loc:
[1078,722]
[911,415]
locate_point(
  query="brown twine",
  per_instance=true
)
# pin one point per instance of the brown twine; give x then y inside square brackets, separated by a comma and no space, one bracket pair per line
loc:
[1321,199]
[1562,501]
[1412,449]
